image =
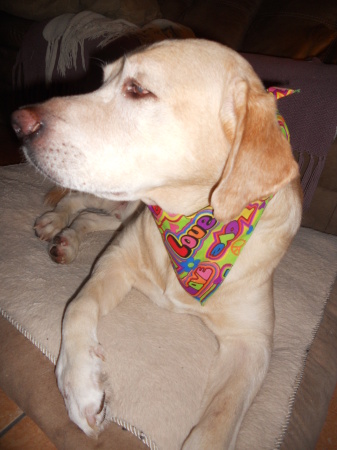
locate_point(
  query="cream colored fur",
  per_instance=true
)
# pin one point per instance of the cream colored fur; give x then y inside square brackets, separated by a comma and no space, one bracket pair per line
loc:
[180,124]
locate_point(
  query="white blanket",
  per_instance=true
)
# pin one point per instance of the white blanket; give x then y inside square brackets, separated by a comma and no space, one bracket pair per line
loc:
[157,360]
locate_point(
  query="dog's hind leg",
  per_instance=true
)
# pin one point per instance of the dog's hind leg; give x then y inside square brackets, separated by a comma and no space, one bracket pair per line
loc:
[75,215]
[63,248]
[234,380]
[66,210]
[239,367]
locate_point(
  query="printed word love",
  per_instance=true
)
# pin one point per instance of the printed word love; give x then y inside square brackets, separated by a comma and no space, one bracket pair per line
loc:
[191,239]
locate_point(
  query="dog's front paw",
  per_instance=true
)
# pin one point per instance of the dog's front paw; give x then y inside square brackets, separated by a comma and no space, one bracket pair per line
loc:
[63,248]
[48,225]
[80,380]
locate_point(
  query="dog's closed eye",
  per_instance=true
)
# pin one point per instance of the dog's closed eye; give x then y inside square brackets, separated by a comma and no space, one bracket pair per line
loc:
[133,89]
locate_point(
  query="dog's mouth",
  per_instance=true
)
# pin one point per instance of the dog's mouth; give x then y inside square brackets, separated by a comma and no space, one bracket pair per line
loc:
[55,175]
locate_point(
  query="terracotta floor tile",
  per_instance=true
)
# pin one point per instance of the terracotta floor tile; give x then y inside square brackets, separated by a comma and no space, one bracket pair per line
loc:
[328,436]
[25,435]
[9,411]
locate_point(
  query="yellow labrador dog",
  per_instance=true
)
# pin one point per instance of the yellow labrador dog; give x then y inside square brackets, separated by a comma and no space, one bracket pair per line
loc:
[182,126]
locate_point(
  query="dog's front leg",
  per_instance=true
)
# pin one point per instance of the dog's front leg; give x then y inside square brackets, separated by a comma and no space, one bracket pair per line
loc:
[79,366]
[243,325]
[234,380]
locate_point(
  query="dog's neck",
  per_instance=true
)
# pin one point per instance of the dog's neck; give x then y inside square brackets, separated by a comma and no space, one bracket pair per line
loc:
[201,249]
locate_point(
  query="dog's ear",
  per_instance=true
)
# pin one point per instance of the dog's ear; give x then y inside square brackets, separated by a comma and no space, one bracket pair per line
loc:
[260,160]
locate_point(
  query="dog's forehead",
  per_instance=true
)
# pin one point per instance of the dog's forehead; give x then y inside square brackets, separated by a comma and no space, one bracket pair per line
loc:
[158,59]
[146,63]
[177,62]
[191,59]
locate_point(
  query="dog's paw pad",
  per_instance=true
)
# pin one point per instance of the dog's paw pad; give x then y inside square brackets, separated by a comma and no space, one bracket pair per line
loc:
[61,240]
[64,247]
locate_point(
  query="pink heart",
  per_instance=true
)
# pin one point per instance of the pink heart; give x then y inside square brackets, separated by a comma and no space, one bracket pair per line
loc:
[204,273]
[174,228]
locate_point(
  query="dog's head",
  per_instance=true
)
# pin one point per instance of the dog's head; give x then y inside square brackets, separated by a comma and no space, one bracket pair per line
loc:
[180,124]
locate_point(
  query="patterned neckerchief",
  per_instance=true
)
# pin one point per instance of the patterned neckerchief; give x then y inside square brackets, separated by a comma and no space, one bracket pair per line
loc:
[201,249]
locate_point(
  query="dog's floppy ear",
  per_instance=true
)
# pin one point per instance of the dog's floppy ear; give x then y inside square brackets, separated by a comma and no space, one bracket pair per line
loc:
[260,160]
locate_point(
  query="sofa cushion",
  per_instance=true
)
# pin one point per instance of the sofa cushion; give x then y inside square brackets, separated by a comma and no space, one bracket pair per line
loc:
[293,29]
[225,21]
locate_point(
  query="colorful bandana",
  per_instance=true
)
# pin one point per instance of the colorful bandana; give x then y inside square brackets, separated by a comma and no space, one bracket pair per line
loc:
[278,93]
[201,249]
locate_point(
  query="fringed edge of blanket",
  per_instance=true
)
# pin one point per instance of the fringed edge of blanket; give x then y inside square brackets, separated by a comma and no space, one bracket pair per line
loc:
[311,167]
[29,336]
[299,378]
[139,434]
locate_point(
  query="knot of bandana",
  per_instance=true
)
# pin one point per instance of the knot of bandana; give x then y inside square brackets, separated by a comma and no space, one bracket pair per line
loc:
[278,93]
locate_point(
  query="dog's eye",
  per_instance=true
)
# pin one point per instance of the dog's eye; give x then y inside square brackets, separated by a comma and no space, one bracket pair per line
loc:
[133,89]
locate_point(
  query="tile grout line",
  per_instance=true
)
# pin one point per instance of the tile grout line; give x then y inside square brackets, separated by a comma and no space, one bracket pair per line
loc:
[12,424]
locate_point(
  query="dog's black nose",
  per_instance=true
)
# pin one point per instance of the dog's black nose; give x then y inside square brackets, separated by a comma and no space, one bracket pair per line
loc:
[26,122]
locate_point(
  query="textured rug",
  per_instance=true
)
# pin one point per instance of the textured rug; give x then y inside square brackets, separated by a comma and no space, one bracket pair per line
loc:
[158,361]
